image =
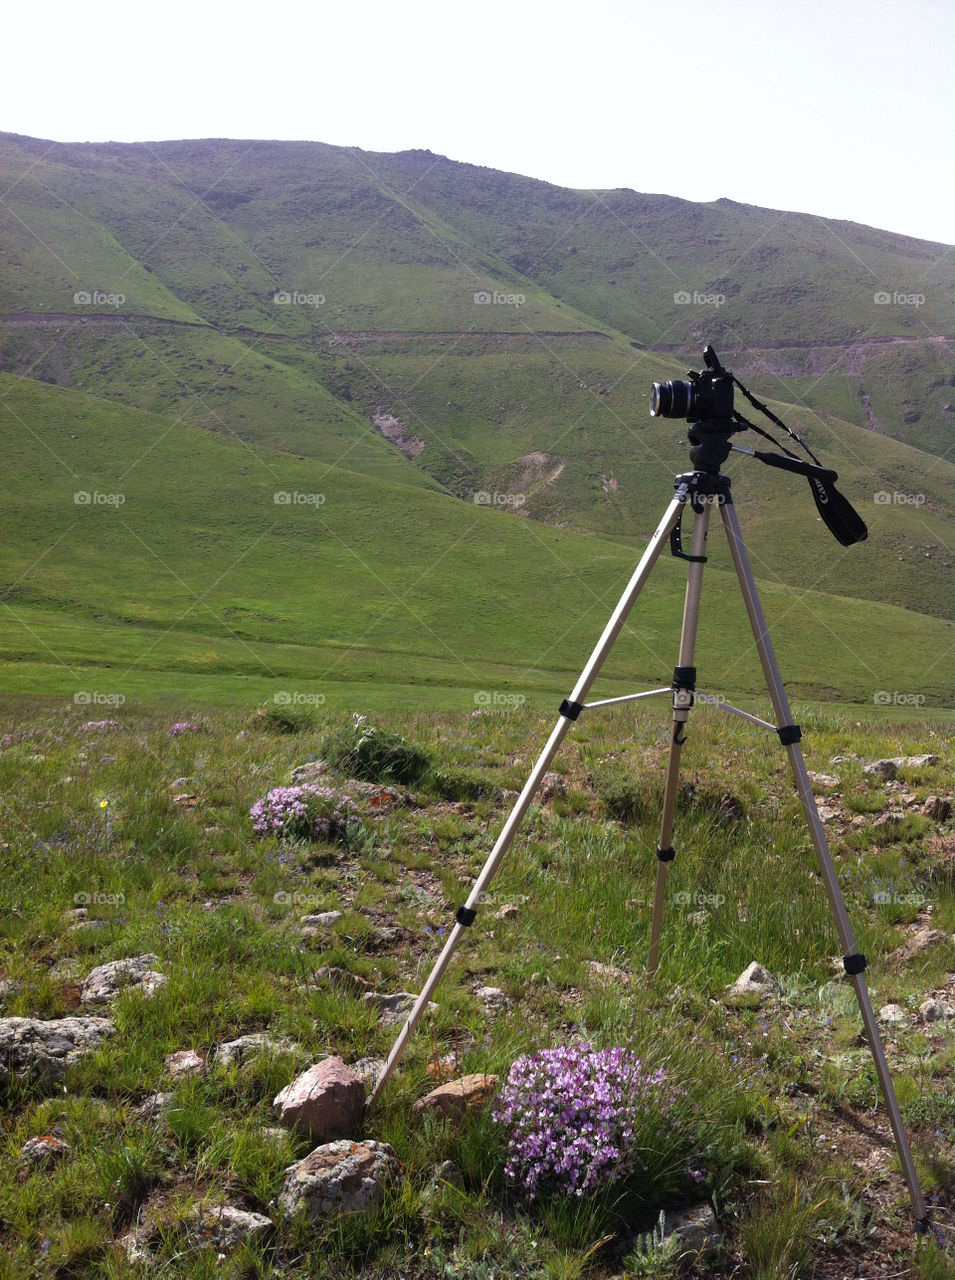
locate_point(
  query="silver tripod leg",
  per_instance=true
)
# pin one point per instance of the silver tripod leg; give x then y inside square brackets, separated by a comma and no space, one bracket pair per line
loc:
[681,713]
[852,961]
[569,712]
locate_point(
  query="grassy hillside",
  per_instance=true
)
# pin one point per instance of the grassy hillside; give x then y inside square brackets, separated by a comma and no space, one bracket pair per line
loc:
[183,560]
[198,396]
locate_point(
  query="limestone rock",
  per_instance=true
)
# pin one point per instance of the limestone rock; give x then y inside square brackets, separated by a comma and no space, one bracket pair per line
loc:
[824,781]
[225,1227]
[394,1007]
[47,1047]
[339,1177]
[326,1101]
[43,1151]
[608,973]
[552,785]
[332,976]
[310,771]
[187,1062]
[507,912]
[236,1051]
[884,770]
[457,1096]
[754,980]
[937,808]
[106,981]
[322,919]
[932,1010]
[915,762]
[492,997]
[696,1231]
[923,938]
[153,1107]
[893,1015]
[376,798]
[368,1070]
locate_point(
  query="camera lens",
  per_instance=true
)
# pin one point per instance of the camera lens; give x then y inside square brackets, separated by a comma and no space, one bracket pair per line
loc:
[670,399]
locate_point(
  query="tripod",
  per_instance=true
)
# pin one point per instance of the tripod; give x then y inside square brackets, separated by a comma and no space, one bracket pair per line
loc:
[701,489]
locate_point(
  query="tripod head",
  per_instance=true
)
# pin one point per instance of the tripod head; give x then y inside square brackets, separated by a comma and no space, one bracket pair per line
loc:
[705,400]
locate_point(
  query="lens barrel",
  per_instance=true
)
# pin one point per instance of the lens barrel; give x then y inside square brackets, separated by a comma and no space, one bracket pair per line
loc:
[670,399]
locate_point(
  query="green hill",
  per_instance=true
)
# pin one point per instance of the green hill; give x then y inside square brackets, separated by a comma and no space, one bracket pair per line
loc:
[198,326]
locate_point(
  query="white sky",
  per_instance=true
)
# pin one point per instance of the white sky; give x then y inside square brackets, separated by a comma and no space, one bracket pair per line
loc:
[837,107]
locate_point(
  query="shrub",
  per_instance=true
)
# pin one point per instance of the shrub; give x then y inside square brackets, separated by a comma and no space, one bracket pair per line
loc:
[362,750]
[573,1115]
[462,784]
[285,718]
[307,812]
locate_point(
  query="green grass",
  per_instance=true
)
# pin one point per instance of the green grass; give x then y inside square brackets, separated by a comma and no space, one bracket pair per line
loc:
[772,1093]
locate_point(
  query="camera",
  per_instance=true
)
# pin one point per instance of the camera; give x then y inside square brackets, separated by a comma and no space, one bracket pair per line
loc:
[705,395]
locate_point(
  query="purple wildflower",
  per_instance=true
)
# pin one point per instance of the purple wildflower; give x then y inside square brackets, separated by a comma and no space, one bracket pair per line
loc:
[307,812]
[183,726]
[573,1115]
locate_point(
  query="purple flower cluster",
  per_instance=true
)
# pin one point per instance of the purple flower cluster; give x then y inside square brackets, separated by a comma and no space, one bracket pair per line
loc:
[183,726]
[573,1117]
[307,812]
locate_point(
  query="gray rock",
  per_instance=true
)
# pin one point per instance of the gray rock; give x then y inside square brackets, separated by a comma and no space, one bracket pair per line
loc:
[332,976]
[225,1227]
[187,1062]
[368,1070]
[47,1047]
[608,972]
[106,981]
[824,781]
[323,919]
[893,1015]
[938,808]
[552,785]
[492,997]
[754,980]
[232,1052]
[43,1151]
[932,1010]
[326,1101]
[338,1177]
[394,1007]
[153,1107]
[310,771]
[915,762]
[885,770]
[696,1231]
[507,912]
[9,987]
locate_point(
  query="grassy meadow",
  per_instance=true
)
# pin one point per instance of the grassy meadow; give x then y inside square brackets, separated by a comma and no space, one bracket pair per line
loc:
[777,1125]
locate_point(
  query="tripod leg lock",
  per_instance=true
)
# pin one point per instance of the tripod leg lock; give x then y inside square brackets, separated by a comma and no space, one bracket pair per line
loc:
[666,855]
[789,733]
[571,710]
[465,915]
[684,686]
[854,964]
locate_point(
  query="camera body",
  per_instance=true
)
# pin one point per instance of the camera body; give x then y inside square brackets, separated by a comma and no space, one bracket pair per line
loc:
[705,396]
